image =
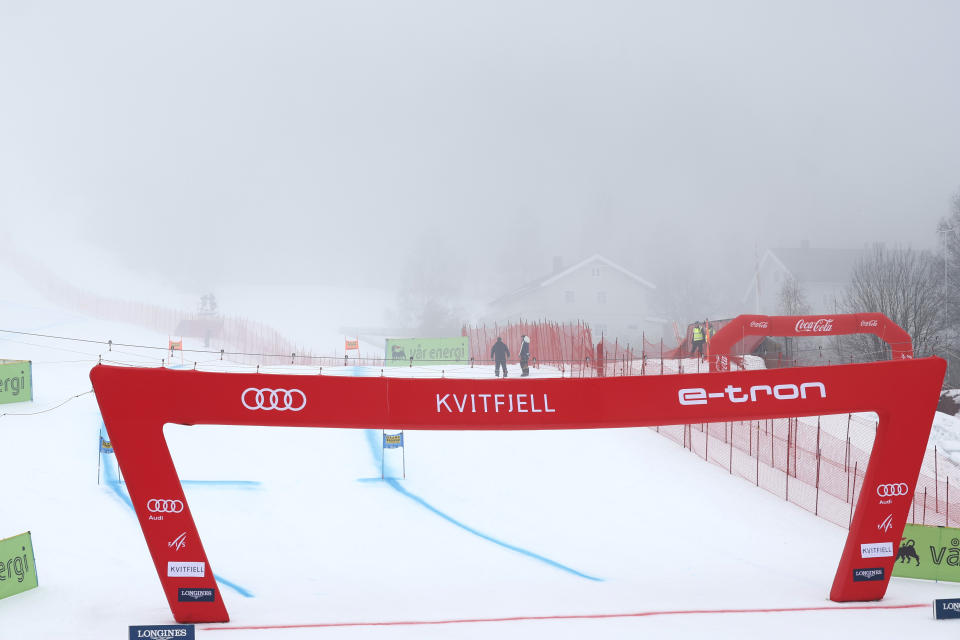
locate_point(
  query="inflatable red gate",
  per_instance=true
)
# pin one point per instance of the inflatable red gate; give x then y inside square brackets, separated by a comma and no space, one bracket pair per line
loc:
[136,403]
[722,344]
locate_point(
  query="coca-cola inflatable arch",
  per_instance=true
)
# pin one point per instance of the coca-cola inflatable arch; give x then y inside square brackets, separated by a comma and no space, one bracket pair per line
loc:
[137,402]
[723,343]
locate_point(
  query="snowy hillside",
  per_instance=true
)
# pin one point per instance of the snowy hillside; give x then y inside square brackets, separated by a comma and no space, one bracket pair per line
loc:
[599,533]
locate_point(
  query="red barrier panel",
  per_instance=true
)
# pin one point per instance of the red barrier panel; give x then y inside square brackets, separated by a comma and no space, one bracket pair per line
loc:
[721,346]
[136,403]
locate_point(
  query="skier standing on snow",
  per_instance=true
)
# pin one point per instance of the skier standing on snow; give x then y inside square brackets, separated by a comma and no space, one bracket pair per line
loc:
[499,353]
[524,356]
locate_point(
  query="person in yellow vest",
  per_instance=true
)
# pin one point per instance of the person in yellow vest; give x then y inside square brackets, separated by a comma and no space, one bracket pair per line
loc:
[698,338]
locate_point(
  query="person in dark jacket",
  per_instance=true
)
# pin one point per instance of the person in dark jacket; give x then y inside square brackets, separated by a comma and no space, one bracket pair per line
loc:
[524,356]
[499,353]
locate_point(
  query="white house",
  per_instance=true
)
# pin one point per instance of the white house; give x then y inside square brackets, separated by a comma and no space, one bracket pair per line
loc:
[611,299]
[821,273]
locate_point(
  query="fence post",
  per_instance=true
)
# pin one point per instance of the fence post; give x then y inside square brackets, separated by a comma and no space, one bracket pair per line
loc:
[706,439]
[847,494]
[924,506]
[818,449]
[936,483]
[816,500]
[846,459]
[786,475]
[773,462]
[789,430]
[853,494]
[730,463]
[758,453]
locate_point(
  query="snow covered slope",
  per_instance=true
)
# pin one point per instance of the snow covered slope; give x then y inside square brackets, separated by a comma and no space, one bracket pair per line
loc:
[301,530]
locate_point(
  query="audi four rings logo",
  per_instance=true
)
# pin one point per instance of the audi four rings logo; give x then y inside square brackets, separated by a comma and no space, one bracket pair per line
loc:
[889,490]
[273,399]
[164,506]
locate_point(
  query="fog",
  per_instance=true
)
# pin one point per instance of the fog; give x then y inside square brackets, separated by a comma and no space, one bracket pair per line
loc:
[460,146]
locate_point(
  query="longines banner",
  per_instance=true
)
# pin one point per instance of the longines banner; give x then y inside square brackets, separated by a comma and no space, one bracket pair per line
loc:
[427,351]
[930,553]
[16,381]
[17,570]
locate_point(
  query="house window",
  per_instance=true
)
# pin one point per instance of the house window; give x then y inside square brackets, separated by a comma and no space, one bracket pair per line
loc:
[595,272]
[568,296]
[601,297]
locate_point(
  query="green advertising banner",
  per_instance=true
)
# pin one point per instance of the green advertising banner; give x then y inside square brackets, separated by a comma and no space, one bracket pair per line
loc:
[929,553]
[427,351]
[16,381]
[17,570]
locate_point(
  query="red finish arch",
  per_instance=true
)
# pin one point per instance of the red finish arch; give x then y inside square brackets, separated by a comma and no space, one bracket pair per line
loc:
[721,345]
[136,403]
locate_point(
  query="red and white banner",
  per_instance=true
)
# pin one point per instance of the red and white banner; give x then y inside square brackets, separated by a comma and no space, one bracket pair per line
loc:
[136,403]
[722,345]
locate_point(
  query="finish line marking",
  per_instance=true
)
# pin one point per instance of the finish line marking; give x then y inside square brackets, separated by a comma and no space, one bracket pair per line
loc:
[597,616]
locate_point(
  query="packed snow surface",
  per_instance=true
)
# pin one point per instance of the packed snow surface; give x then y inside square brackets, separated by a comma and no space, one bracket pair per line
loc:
[301,530]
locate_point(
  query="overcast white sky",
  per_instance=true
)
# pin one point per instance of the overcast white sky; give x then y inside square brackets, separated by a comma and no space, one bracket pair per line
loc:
[360,141]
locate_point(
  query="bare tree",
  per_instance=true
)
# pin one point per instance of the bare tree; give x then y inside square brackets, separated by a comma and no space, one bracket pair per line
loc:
[906,286]
[792,298]
[792,301]
[949,236]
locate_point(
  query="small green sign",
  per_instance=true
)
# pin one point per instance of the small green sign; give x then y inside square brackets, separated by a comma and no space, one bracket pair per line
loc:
[929,553]
[427,351]
[18,572]
[16,381]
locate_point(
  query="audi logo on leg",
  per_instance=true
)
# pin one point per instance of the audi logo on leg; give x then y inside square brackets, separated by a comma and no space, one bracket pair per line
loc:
[164,506]
[273,399]
[890,490]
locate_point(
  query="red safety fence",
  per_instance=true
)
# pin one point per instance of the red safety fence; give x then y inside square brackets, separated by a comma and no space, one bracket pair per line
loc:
[567,346]
[804,461]
[248,340]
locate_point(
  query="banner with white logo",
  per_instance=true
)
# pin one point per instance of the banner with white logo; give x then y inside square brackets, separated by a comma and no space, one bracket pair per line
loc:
[724,344]
[876,550]
[186,569]
[946,608]
[163,632]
